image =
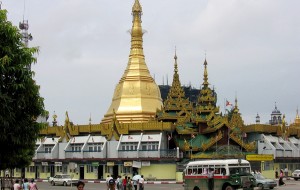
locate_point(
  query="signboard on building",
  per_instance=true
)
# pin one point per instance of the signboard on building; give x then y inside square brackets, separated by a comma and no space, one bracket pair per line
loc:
[259,157]
[145,163]
[95,163]
[57,163]
[110,164]
[44,163]
[72,166]
[136,164]
[127,164]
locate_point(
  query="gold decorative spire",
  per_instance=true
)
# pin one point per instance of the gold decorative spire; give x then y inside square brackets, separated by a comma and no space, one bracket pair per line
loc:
[137,96]
[236,109]
[136,7]
[297,120]
[208,98]
[176,89]
[205,78]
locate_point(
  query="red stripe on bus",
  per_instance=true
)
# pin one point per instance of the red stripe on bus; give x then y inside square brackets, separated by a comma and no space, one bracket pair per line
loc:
[204,177]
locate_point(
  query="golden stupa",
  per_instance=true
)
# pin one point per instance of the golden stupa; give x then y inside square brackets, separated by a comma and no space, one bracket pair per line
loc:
[136,97]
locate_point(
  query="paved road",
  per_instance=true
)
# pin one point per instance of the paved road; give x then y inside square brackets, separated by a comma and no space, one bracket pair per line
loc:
[101,186]
[290,185]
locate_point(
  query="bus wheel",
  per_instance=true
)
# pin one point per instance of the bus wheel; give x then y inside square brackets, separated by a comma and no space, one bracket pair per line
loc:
[229,188]
[196,188]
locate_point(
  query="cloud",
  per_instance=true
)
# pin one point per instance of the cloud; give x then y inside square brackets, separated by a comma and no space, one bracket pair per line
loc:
[252,49]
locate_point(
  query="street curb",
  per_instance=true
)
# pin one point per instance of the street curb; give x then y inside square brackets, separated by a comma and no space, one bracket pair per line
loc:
[146,182]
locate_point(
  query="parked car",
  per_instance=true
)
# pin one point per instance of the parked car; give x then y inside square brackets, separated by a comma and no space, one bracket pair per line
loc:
[62,179]
[263,182]
[296,175]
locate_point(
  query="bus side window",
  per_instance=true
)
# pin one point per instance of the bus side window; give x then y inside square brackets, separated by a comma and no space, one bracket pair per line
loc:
[189,171]
[217,171]
[223,171]
[199,171]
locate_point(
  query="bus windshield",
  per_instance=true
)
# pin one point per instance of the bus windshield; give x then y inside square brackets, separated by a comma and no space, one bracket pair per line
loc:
[240,170]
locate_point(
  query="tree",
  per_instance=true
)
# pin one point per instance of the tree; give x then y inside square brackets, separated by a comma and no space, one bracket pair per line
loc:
[20,101]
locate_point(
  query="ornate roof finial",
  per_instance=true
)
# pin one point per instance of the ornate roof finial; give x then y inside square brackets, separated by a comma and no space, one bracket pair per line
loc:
[136,6]
[236,109]
[136,31]
[90,119]
[205,78]
[297,114]
[175,65]
[54,122]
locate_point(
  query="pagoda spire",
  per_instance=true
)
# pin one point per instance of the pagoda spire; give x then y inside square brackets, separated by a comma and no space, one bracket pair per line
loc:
[176,89]
[236,109]
[207,98]
[136,97]
[205,76]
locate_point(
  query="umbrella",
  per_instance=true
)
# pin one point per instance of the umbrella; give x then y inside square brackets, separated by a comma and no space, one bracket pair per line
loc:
[136,177]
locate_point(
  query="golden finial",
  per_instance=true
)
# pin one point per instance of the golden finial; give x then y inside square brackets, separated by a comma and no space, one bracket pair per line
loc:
[175,65]
[67,116]
[205,78]
[90,120]
[236,109]
[137,6]
[54,117]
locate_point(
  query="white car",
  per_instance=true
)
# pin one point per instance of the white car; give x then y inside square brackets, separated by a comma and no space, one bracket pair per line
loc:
[62,179]
[296,175]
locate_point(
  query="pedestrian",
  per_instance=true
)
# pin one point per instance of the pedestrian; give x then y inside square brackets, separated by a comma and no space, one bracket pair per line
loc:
[129,184]
[112,184]
[17,185]
[25,185]
[286,173]
[276,173]
[80,185]
[107,181]
[210,177]
[125,183]
[135,184]
[280,182]
[141,183]
[32,185]
[120,182]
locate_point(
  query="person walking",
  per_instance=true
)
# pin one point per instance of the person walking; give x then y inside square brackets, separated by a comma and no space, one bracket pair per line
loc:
[17,185]
[107,181]
[141,183]
[32,185]
[135,183]
[276,173]
[112,184]
[129,184]
[280,182]
[125,183]
[25,185]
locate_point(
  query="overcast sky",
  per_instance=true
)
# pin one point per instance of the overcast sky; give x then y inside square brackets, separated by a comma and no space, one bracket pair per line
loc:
[252,49]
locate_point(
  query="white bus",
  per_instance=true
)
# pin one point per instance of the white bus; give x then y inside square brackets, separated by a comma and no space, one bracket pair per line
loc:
[229,174]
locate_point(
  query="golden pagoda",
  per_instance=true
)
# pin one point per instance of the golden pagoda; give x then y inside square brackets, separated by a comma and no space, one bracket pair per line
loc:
[136,97]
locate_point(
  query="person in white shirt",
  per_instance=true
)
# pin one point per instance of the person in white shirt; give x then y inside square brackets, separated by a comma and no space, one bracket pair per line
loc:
[141,183]
[107,181]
